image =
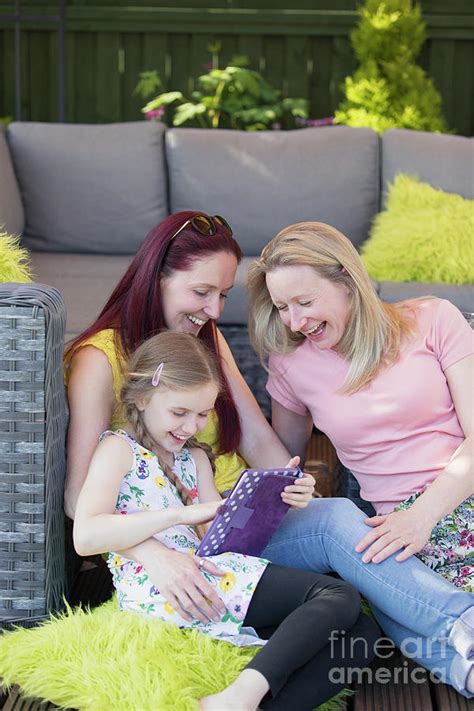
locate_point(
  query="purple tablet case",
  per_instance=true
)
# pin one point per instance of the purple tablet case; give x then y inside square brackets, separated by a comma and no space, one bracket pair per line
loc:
[251,514]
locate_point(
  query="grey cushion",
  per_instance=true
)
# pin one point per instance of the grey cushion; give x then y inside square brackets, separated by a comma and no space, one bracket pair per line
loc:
[12,217]
[85,281]
[89,188]
[461,296]
[443,161]
[261,182]
[236,305]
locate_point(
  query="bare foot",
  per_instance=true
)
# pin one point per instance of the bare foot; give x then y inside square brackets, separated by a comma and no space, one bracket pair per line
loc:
[222,702]
[244,694]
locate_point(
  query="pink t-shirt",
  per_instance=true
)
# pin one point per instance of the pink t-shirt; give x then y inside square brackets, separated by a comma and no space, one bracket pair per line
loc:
[397,434]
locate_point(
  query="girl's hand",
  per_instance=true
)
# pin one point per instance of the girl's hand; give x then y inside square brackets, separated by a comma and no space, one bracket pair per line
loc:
[179,579]
[400,530]
[201,513]
[299,494]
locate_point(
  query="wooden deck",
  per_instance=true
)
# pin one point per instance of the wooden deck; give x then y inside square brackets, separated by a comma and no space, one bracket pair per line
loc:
[94,587]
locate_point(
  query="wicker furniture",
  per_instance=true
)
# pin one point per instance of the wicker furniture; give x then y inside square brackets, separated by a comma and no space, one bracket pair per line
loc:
[32,453]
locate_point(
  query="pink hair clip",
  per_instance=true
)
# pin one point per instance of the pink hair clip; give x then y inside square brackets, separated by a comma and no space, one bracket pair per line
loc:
[157,375]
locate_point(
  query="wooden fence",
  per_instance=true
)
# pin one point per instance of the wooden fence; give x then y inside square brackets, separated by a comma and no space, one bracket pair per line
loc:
[302,47]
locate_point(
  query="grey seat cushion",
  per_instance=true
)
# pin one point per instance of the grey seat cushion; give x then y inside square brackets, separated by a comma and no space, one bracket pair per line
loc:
[89,188]
[87,280]
[261,182]
[461,296]
[236,305]
[12,217]
[236,308]
[443,161]
[84,280]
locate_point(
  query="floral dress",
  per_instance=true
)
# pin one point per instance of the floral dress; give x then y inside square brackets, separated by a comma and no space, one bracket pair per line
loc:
[450,549]
[146,487]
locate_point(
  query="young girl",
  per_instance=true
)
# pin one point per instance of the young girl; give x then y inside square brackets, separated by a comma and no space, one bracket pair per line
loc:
[160,482]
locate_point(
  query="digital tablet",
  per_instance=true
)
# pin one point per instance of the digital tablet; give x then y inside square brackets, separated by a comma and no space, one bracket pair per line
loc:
[251,514]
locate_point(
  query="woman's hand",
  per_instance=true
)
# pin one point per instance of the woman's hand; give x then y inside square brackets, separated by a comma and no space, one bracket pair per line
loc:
[201,513]
[179,578]
[400,530]
[299,494]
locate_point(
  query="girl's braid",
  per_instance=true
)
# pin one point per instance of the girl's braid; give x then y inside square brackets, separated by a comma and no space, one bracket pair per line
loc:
[136,420]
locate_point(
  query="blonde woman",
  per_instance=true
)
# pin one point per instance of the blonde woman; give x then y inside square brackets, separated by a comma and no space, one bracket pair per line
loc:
[391,386]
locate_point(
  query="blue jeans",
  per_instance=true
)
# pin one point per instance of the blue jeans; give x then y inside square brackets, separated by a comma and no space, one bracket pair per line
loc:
[427,617]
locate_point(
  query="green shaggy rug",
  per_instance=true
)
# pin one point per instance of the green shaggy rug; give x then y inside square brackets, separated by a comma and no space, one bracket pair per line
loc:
[107,659]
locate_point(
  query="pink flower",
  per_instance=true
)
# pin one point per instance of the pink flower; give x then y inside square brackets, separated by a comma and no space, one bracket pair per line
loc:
[465,570]
[428,550]
[155,114]
[315,123]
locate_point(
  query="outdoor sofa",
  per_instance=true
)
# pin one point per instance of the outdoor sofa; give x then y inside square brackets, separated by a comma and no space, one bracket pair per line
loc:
[83,197]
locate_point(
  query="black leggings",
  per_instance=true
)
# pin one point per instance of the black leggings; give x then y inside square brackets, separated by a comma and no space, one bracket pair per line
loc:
[305,617]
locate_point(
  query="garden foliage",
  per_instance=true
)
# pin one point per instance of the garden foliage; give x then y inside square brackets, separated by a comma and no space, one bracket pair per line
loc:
[235,97]
[389,90]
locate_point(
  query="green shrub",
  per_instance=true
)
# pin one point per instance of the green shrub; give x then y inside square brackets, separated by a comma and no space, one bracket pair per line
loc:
[389,90]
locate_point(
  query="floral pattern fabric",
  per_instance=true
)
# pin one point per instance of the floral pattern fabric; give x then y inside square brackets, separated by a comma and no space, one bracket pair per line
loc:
[450,550]
[146,487]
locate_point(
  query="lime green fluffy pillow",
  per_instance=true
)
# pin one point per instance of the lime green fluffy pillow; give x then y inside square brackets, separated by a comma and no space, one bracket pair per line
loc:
[13,260]
[424,235]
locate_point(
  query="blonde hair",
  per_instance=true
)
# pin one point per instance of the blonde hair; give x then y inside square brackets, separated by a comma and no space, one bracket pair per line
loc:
[187,364]
[374,330]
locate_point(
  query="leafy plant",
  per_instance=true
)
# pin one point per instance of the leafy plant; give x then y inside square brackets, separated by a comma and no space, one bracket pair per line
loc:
[234,97]
[389,89]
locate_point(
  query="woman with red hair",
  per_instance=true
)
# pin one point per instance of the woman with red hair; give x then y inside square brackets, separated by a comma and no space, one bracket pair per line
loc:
[178,280]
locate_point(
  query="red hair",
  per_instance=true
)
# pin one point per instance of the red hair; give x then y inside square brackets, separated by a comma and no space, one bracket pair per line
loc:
[135,311]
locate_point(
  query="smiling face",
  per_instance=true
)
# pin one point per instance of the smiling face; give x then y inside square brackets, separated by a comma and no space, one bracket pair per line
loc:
[173,416]
[192,297]
[309,304]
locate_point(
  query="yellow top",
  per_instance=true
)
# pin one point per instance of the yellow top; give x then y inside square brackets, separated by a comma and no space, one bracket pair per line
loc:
[228,466]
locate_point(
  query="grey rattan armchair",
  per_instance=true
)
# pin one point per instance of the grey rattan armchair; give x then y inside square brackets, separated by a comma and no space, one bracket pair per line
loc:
[32,453]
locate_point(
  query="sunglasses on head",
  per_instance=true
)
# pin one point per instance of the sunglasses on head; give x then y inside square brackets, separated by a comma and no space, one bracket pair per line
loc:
[205,225]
